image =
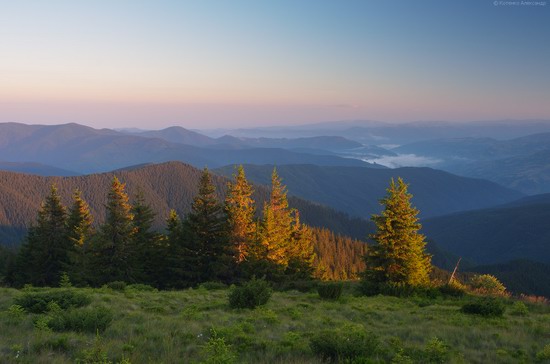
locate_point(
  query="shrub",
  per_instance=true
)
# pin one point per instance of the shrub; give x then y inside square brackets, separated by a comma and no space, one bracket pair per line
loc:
[16,312]
[487,284]
[37,302]
[453,289]
[65,281]
[397,290]
[436,351]
[544,354]
[91,320]
[303,286]
[519,309]
[349,343]
[488,307]
[141,287]
[218,352]
[330,291]
[255,292]
[117,285]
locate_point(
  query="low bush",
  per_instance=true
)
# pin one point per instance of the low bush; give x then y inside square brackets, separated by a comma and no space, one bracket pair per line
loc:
[117,285]
[487,284]
[452,289]
[90,320]
[544,354]
[397,290]
[303,286]
[436,351]
[255,292]
[37,302]
[330,291]
[141,287]
[347,344]
[519,309]
[488,307]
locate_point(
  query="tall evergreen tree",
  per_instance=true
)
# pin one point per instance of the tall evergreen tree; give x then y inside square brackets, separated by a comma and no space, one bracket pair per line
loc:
[301,251]
[277,224]
[399,256]
[240,210]
[144,247]
[79,232]
[45,254]
[207,225]
[111,248]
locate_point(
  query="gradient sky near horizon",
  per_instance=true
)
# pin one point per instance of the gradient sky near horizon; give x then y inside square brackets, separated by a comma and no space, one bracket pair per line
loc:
[222,64]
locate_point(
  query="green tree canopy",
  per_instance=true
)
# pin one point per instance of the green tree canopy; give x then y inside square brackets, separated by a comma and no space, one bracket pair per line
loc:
[398,255]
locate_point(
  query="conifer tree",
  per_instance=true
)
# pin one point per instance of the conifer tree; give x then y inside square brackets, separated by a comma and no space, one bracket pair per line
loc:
[240,210]
[207,226]
[277,224]
[79,231]
[301,251]
[45,254]
[399,256]
[112,245]
[144,249]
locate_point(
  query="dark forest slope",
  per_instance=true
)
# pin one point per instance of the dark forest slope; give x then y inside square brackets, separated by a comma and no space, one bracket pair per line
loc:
[358,190]
[165,186]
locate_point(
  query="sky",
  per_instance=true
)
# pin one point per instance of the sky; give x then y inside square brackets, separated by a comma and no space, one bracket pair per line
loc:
[226,64]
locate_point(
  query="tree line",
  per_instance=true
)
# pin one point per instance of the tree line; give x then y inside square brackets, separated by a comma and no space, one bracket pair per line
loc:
[214,242]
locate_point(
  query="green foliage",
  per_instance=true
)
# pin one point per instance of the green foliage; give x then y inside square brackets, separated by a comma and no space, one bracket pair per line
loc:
[297,285]
[218,352]
[487,284]
[90,320]
[436,351]
[544,354]
[330,291]
[37,302]
[116,285]
[397,289]
[349,343]
[487,307]
[253,293]
[398,257]
[519,309]
[65,281]
[140,287]
[16,312]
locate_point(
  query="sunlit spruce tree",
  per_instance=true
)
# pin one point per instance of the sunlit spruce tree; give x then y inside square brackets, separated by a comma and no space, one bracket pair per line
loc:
[79,232]
[44,255]
[276,225]
[207,226]
[240,209]
[398,255]
[111,247]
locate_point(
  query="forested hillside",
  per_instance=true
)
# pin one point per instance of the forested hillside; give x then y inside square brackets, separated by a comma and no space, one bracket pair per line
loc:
[496,235]
[357,190]
[165,186]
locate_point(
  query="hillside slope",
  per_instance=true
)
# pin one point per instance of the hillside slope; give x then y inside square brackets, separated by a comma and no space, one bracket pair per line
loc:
[357,190]
[165,186]
[496,235]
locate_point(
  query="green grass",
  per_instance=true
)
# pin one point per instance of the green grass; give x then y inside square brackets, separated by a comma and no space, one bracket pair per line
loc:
[197,325]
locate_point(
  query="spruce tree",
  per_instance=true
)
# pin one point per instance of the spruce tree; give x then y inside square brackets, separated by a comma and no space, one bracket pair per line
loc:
[398,255]
[79,232]
[144,249]
[45,254]
[277,223]
[111,248]
[240,210]
[207,226]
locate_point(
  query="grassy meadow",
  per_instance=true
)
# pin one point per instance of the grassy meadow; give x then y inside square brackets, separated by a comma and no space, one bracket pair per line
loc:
[135,325]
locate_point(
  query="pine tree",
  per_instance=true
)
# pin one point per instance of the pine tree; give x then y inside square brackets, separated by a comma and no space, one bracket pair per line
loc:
[240,210]
[79,232]
[144,247]
[398,257]
[112,245]
[301,251]
[45,254]
[207,225]
[277,224]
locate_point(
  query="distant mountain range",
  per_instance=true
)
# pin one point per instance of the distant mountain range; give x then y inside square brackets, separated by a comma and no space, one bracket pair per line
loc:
[521,163]
[165,186]
[519,230]
[35,168]
[357,191]
[82,149]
